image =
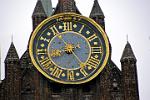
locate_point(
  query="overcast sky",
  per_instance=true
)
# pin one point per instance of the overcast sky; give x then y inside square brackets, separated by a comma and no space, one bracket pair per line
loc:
[123,17]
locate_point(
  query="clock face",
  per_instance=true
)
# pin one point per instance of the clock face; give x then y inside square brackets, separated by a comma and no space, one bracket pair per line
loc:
[69,48]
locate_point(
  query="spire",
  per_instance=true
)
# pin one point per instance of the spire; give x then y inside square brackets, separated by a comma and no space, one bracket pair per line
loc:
[12,54]
[39,10]
[128,53]
[25,59]
[12,38]
[38,15]
[66,6]
[47,5]
[129,74]
[127,38]
[96,10]
[97,14]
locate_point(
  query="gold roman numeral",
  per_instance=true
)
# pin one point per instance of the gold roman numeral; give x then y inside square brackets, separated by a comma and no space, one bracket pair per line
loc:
[93,62]
[96,50]
[80,31]
[82,70]
[70,75]
[91,38]
[68,26]
[45,62]
[41,51]
[56,72]
[54,30]
[45,39]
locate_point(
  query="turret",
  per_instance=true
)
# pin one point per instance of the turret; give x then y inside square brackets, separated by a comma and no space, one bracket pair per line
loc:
[66,6]
[129,74]
[12,74]
[97,14]
[39,14]
[12,55]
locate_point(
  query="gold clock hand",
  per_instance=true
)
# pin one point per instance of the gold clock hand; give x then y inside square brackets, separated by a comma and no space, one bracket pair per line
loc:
[78,46]
[81,63]
[60,37]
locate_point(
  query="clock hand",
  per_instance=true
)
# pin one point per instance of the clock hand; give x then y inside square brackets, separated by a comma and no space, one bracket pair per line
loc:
[71,51]
[60,37]
[77,46]
[80,62]
[58,52]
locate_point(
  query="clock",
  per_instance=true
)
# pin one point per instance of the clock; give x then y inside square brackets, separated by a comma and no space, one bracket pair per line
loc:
[69,48]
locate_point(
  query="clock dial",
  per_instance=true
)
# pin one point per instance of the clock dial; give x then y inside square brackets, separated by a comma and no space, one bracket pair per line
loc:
[69,48]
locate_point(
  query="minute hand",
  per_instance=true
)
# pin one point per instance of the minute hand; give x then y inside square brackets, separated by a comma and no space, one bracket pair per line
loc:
[80,62]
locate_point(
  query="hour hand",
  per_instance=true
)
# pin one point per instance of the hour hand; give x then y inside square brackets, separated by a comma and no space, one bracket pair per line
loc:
[78,46]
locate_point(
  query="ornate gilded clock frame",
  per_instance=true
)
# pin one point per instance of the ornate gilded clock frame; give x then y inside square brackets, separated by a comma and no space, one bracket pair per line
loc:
[79,16]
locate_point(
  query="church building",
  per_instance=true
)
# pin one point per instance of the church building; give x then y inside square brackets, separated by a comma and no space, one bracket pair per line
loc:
[24,82]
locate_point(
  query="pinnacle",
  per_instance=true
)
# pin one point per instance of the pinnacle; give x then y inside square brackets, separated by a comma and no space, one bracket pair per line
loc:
[25,55]
[96,10]
[25,60]
[128,53]
[12,54]
[39,10]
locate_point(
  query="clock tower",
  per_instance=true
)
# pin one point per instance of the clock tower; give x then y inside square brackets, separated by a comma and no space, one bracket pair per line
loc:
[68,58]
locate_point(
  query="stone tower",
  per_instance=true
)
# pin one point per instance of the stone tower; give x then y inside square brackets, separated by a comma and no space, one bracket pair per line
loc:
[23,82]
[12,74]
[129,74]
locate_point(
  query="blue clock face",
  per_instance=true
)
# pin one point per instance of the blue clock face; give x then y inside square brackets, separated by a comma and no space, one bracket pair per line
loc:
[69,48]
